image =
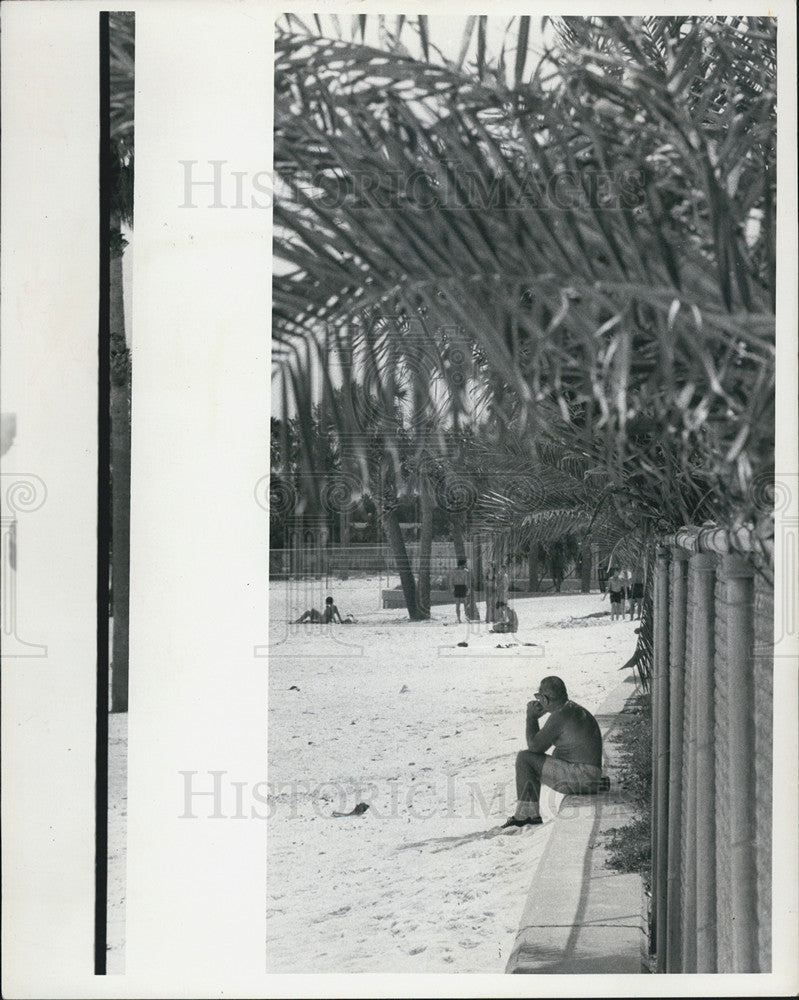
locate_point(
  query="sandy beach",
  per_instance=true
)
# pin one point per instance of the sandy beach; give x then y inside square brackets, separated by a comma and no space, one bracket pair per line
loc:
[398,716]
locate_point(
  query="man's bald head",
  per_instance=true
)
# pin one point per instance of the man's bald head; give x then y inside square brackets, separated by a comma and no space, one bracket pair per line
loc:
[555,688]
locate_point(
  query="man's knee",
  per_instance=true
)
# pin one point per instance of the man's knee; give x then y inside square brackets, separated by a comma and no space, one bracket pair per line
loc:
[530,760]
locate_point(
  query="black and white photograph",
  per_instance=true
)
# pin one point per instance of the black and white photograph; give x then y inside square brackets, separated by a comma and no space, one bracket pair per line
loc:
[400,500]
[522,442]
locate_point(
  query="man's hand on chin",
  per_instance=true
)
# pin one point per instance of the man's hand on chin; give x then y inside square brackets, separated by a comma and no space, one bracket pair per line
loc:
[535,709]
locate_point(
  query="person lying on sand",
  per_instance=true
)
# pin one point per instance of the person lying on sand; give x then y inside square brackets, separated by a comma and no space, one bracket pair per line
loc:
[575,765]
[508,620]
[315,617]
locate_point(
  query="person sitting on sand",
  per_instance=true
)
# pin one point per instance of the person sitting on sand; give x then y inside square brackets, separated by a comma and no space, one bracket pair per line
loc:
[575,765]
[315,617]
[508,620]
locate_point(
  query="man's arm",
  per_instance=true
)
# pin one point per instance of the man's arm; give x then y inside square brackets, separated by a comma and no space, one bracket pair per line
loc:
[336,615]
[531,730]
[540,740]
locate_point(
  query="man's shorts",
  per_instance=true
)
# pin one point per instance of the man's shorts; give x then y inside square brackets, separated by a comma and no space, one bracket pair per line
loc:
[570,779]
[460,590]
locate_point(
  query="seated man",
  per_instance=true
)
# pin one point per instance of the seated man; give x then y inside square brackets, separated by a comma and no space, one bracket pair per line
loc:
[318,618]
[508,620]
[575,765]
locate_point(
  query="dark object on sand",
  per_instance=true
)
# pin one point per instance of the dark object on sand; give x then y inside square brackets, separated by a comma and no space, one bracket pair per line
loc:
[294,688]
[463,643]
[359,810]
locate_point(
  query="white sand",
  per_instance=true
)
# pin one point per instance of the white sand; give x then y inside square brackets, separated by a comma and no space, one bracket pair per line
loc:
[393,713]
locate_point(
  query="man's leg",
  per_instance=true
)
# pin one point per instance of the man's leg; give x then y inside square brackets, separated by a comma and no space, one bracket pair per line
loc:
[573,779]
[529,766]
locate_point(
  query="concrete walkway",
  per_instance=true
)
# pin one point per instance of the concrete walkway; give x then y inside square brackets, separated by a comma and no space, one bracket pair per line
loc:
[581,916]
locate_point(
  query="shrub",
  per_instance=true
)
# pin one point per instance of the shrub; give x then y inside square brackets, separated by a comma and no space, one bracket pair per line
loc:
[629,847]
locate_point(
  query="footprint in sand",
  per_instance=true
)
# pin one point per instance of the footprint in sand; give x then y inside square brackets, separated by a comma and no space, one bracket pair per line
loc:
[418,949]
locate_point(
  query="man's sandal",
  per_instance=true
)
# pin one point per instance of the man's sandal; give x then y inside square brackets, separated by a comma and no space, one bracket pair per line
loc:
[512,821]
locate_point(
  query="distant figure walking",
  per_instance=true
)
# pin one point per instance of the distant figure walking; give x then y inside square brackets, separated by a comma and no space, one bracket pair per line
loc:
[330,614]
[508,620]
[616,591]
[460,585]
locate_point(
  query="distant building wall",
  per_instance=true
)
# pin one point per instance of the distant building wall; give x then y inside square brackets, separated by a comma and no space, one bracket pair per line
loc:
[312,557]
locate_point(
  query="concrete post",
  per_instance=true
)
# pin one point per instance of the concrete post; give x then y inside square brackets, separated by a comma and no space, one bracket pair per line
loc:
[677,667]
[654,709]
[741,751]
[661,804]
[688,929]
[704,569]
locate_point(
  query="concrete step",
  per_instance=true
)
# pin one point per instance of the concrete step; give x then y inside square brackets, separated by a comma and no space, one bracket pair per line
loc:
[581,916]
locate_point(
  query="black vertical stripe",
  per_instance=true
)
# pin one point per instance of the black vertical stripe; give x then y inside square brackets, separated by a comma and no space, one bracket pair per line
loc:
[103,511]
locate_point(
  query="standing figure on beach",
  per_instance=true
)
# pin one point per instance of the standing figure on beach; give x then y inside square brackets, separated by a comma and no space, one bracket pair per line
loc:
[491,592]
[637,594]
[616,591]
[460,585]
[503,584]
[330,614]
[575,765]
[508,620]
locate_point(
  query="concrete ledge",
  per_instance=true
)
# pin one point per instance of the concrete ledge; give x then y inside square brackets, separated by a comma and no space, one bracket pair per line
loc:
[580,916]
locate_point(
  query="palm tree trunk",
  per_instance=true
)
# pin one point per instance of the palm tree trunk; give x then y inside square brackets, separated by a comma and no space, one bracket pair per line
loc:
[457,536]
[425,543]
[344,541]
[120,489]
[391,523]
[585,567]
[532,567]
